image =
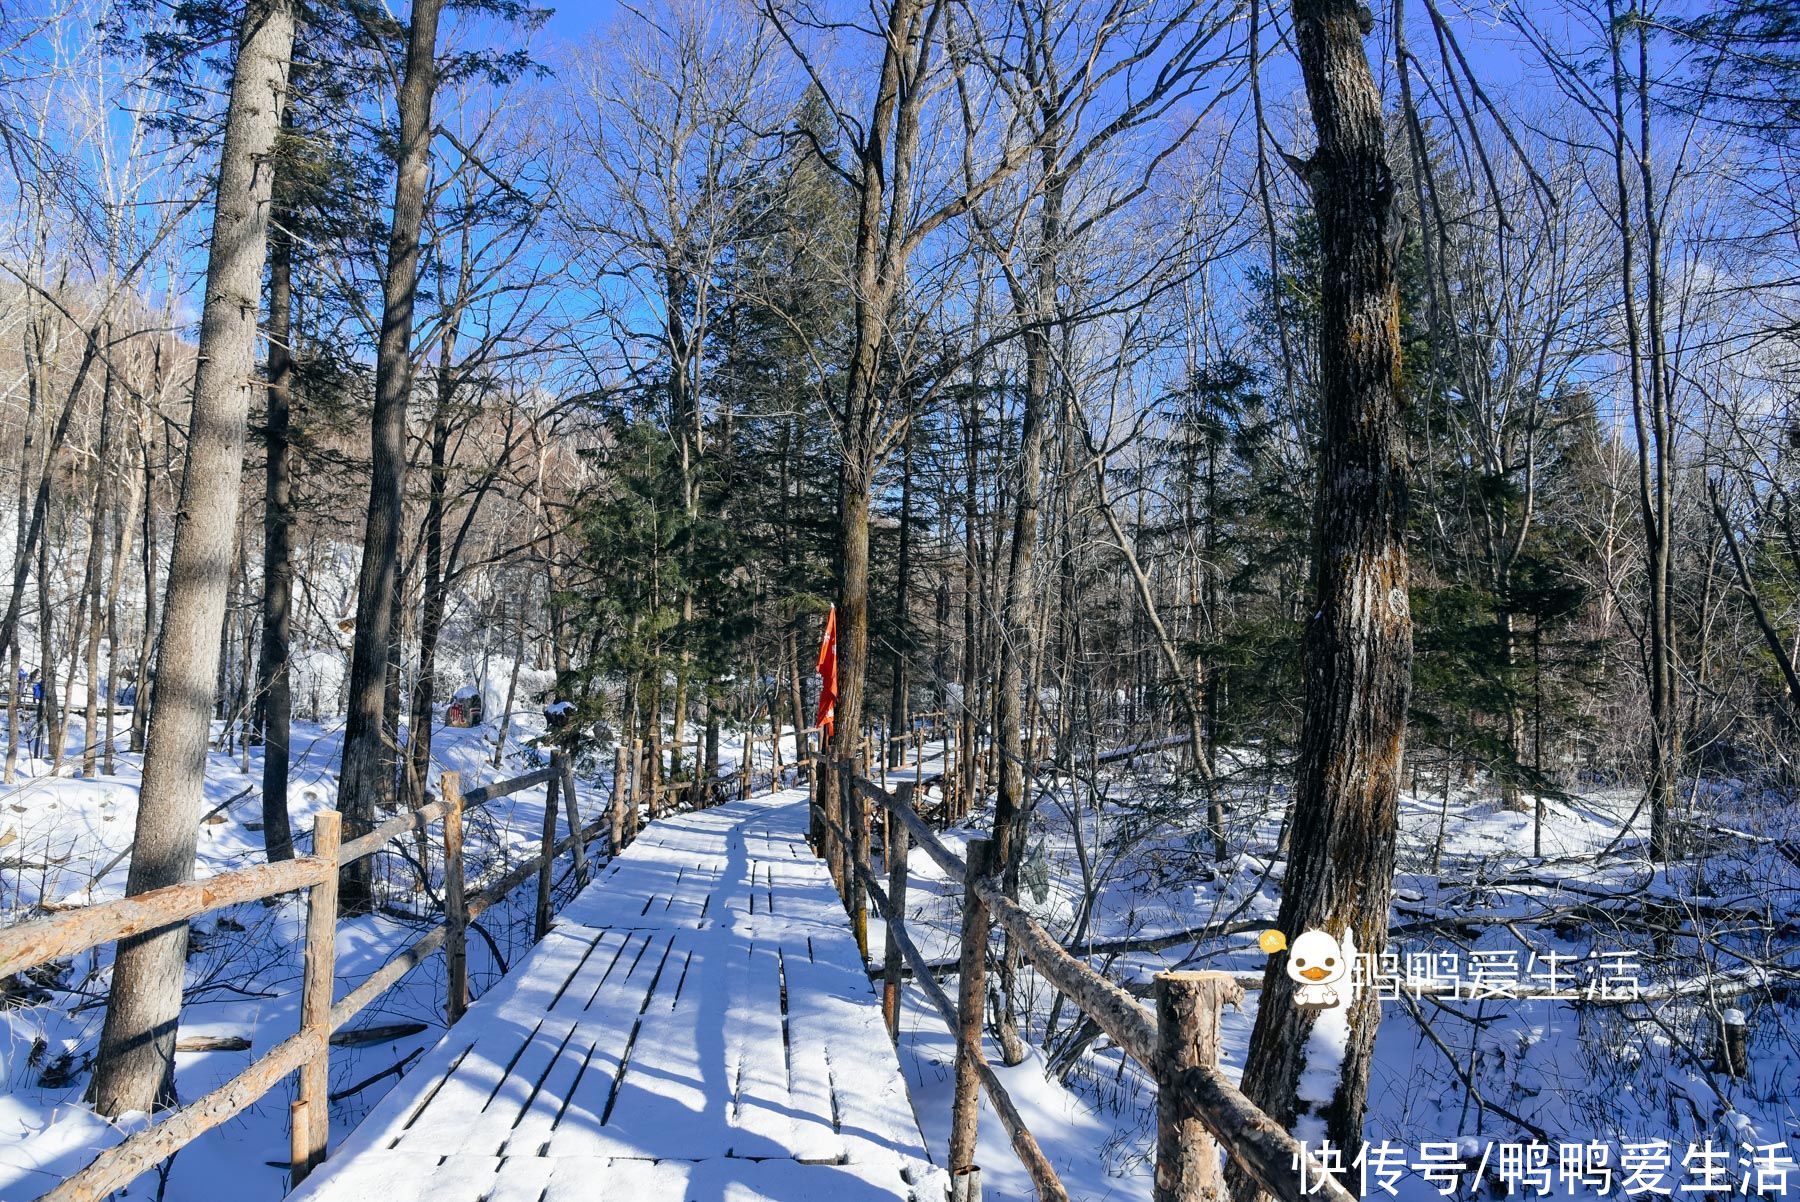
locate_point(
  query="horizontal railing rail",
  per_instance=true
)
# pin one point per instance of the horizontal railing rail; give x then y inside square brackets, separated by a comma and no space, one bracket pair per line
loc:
[1199,1109]
[69,932]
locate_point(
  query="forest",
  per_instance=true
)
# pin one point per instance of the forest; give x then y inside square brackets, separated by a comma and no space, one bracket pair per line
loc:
[1249,469]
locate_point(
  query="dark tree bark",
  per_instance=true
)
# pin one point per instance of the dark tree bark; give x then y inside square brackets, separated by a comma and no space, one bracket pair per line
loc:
[884,238]
[134,1067]
[895,751]
[140,709]
[435,590]
[273,678]
[1358,648]
[367,753]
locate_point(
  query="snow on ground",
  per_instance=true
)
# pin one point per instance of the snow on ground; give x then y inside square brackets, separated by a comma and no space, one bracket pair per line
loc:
[1572,1072]
[244,970]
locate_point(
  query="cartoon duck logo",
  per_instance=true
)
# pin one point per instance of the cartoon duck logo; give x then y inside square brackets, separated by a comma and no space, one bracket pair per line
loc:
[1316,963]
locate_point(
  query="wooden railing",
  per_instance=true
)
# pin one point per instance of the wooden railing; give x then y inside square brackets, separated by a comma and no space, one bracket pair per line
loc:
[307,1052]
[1198,1108]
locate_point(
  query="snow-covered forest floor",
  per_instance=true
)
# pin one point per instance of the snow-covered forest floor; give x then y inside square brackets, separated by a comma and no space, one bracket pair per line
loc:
[1717,930]
[245,967]
[1478,1069]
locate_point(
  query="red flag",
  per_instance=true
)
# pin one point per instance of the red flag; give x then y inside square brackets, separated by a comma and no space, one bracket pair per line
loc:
[827,674]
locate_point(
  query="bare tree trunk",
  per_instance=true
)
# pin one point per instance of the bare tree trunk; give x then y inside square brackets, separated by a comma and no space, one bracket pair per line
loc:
[512,690]
[361,786]
[15,705]
[883,173]
[1358,649]
[140,712]
[435,599]
[895,751]
[50,725]
[91,592]
[1765,626]
[122,547]
[273,675]
[853,599]
[134,1067]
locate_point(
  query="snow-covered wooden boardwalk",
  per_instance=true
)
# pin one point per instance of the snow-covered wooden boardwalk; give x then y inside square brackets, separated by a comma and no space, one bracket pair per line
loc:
[697,1026]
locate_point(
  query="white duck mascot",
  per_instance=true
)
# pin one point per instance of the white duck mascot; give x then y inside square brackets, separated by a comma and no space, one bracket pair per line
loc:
[1316,963]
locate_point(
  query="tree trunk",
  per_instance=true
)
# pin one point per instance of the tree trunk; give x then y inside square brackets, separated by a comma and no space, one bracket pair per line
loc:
[15,705]
[91,591]
[895,751]
[435,601]
[883,217]
[361,786]
[853,602]
[134,1066]
[1358,648]
[122,547]
[50,725]
[140,710]
[273,676]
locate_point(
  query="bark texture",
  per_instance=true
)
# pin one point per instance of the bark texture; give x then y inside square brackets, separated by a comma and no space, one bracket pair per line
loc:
[273,678]
[134,1068]
[1358,650]
[367,728]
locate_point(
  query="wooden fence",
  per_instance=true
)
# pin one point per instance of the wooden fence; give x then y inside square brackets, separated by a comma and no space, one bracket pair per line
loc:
[307,1052]
[1198,1108]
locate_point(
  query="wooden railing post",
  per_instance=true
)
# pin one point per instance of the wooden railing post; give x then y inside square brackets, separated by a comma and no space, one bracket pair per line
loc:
[456,915]
[547,853]
[971,993]
[572,807]
[1187,1036]
[895,843]
[309,1119]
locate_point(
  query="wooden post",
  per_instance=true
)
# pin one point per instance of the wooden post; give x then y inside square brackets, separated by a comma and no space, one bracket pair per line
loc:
[971,993]
[456,915]
[965,1184]
[895,841]
[546,857]
[744,766]
[309,1119]
[572,807]
[1187,1036]
[616,826]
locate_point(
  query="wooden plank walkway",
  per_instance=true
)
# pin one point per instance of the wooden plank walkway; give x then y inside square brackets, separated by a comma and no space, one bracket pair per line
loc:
[697,1027]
